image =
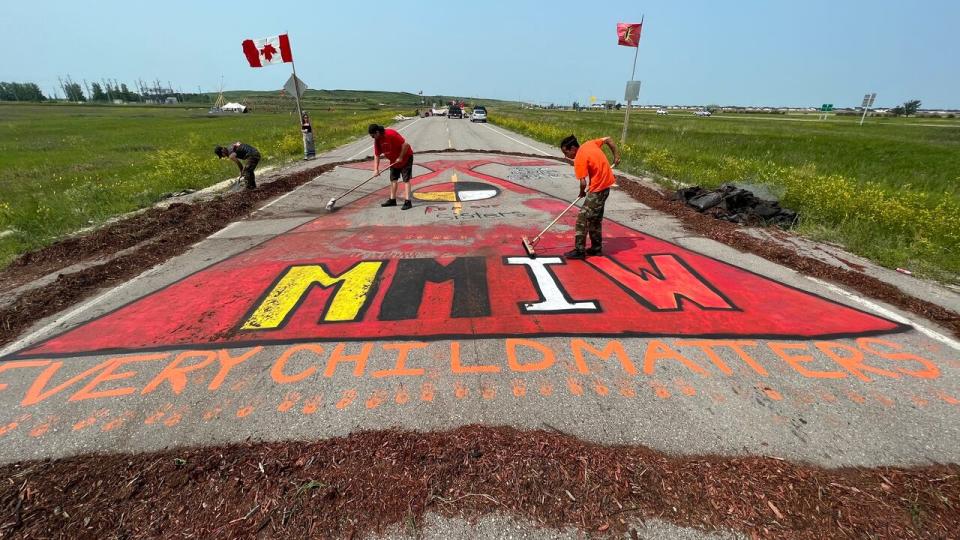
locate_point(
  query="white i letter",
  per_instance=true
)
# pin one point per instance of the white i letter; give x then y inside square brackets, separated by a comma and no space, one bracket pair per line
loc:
[555,299]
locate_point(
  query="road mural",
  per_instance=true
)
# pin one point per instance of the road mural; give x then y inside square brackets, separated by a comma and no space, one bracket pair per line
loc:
[332,280]
[333,300]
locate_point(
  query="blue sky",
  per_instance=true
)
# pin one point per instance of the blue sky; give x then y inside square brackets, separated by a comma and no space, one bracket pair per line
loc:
[749,52]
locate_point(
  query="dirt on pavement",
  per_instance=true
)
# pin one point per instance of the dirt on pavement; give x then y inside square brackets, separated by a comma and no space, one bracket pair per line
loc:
[364,482]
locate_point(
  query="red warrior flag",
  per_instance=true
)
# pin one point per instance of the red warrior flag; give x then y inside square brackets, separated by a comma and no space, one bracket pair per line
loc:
[271,50]
[628,34]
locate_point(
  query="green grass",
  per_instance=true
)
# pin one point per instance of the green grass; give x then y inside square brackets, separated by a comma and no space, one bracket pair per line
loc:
[67,167]
[889,190]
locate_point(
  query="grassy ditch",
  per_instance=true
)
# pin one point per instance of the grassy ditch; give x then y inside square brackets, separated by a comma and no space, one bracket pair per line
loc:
[889,191]
[67,167]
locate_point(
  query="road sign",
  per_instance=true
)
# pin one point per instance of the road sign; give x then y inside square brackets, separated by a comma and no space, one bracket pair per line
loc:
[593,99]
[295,87]
[632,92]
[826,107]
[867,103]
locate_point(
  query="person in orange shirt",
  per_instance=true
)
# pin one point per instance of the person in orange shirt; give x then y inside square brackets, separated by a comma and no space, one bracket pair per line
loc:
[590,161]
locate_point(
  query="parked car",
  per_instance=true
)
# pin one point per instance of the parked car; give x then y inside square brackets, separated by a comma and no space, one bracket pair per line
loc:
[662,111]
[455,112]
[479,114]
[702,112]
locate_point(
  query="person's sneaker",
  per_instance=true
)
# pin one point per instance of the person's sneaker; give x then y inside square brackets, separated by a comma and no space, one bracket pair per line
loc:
[575,254]
[406,205]
[594,250]
[390,202]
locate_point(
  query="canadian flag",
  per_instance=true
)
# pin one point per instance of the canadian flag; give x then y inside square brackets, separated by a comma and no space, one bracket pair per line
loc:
[271,50]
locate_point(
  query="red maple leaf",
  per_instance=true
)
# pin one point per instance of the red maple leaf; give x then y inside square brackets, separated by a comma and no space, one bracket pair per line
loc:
[268,51]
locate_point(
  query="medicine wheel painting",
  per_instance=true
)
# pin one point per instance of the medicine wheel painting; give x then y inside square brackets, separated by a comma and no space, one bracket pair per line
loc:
[457,192]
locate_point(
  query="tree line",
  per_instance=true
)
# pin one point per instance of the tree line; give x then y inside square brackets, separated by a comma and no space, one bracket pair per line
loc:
[97,92]
[14,91]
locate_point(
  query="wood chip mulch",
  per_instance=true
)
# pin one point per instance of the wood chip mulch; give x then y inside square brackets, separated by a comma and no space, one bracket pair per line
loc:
[362,483]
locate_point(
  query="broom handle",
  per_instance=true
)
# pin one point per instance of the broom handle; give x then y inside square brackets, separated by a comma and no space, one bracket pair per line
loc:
[558,219]
[360,184]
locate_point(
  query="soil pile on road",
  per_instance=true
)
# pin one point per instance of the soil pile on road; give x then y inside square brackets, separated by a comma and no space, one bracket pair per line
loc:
[365,482]
[737,205]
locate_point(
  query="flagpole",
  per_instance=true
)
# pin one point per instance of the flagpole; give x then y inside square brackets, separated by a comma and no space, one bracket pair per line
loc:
[633,73]
[296,95]
[296,87]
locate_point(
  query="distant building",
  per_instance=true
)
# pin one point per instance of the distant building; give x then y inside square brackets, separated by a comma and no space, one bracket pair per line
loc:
[235,107]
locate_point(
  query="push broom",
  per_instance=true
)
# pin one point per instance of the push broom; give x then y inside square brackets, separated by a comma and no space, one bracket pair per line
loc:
[529,245]
[333,201]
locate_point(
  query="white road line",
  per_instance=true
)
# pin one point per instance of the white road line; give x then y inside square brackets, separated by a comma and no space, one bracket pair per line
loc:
[880,310]
[227,228]
[516,141]
[268,205]
[367,149]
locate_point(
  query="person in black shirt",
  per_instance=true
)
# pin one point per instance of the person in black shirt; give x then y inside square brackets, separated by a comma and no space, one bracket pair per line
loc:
[238,152]
[309,150]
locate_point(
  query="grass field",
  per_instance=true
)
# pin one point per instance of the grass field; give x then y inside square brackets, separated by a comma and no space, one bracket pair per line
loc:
[889,190]
[67,167]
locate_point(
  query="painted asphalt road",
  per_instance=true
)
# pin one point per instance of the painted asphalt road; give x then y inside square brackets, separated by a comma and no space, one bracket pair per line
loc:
[303,324]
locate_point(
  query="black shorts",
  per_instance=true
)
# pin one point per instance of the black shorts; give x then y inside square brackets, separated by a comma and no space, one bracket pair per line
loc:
[404,172]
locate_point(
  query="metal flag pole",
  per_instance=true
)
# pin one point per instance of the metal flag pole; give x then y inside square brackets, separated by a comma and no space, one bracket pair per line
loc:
[296,96]
[633,73]
[296,86]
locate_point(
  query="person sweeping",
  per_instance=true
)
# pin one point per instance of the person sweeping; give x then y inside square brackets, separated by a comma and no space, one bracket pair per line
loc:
[590,161]
[238,152]
[390,144]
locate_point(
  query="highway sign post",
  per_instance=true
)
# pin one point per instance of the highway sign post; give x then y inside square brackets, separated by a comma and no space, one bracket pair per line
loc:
[824,109]
[295,86]
[632,93]
[867,103]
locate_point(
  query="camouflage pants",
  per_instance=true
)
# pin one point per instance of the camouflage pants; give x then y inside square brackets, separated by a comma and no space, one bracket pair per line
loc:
[590,220]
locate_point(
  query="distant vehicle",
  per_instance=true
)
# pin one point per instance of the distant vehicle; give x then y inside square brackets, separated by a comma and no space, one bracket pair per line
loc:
[662,111]
[455,112]
[702,112]
[438,112]
[479,114]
